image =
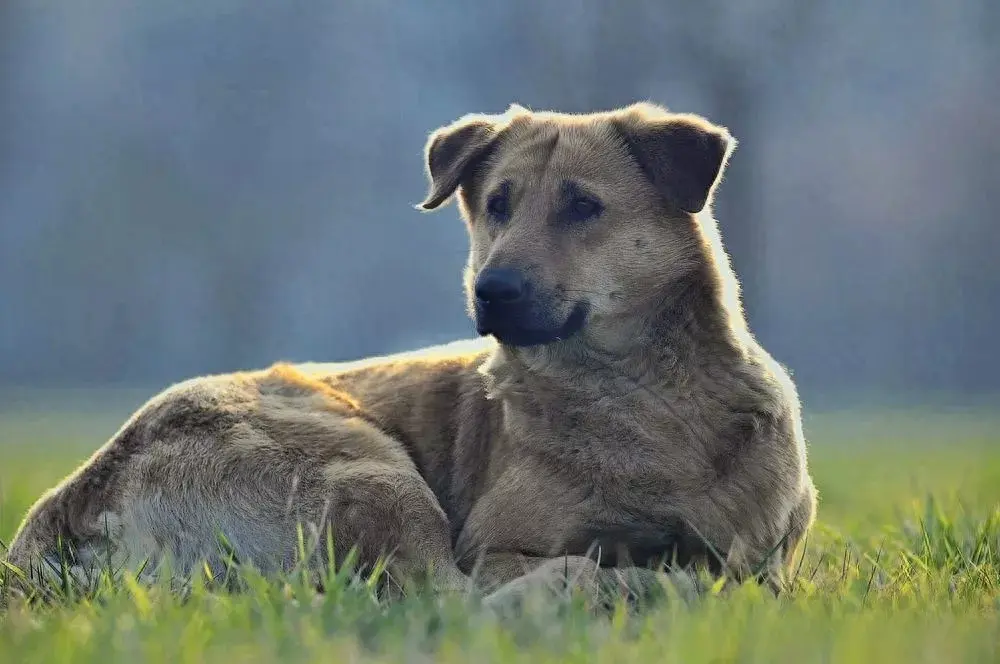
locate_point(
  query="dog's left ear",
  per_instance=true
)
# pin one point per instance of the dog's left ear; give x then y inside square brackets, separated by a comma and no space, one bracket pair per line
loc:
[451,153]
[684,155]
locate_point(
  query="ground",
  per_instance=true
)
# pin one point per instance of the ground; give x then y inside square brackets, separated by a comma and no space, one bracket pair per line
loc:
[904,565]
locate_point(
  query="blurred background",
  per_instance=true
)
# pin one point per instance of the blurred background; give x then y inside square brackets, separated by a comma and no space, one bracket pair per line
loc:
[192,187]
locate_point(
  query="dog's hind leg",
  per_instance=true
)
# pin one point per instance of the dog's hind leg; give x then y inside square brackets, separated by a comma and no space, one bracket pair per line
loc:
[390,510]
[171,503]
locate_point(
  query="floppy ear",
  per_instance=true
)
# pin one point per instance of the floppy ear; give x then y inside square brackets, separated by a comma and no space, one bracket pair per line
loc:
[451,152]
[684,155]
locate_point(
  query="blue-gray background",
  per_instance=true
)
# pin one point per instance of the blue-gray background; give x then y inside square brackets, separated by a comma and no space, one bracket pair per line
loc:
[189,187]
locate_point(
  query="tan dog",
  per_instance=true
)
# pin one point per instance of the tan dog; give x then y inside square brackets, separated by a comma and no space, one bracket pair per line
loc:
[623,403]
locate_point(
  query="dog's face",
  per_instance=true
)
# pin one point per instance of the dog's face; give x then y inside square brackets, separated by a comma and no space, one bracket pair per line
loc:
[575,220]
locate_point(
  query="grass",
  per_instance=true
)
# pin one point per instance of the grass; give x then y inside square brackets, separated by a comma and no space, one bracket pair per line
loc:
[904,565]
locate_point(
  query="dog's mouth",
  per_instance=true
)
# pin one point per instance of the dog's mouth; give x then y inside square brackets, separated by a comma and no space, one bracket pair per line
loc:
[509,331]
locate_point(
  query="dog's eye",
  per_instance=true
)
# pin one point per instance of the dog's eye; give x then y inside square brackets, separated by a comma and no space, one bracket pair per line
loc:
[583,208]
[498,206]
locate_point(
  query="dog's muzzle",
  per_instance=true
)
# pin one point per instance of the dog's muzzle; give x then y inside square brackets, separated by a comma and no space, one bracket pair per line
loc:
[508,307]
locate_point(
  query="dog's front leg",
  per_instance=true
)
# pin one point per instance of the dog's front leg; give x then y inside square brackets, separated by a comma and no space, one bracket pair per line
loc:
[512,578]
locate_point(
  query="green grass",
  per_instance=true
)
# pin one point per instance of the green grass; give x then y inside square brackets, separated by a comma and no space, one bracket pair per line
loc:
[904,565]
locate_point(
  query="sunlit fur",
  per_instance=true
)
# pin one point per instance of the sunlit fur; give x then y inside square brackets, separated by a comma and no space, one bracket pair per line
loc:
[661,429]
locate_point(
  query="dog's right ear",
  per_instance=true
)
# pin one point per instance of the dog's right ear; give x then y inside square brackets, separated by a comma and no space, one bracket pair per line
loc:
[451,153]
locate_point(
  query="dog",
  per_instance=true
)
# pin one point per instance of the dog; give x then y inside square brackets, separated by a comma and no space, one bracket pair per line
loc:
[615,411]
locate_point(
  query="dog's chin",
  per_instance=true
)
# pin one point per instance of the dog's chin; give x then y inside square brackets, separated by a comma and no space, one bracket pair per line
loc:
[512,334]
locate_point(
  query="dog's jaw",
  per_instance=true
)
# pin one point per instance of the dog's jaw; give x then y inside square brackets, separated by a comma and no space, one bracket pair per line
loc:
[517,337]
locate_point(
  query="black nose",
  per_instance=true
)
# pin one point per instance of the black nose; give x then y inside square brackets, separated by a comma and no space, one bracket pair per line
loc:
[499,285]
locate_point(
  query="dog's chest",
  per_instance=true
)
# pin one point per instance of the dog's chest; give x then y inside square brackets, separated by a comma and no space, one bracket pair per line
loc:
[549,514]
[590,481]
[631,445]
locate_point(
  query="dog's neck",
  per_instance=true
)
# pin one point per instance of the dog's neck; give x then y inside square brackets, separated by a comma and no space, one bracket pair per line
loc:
[692,323]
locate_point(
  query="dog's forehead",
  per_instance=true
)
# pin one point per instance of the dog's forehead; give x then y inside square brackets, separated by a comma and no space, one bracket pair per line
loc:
[539,147]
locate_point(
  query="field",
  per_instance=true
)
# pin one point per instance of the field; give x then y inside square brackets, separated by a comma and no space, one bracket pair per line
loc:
[904,565]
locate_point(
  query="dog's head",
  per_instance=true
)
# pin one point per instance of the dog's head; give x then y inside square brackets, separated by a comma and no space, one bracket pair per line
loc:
[575,220]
